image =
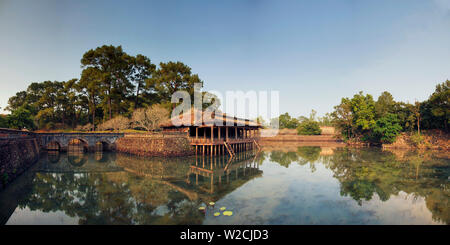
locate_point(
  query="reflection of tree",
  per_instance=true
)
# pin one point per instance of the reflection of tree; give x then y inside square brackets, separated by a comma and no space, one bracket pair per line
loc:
[107,198]
[364,172]
[283,158]
[260,157]
[308,154]
[368,171]
[147,192]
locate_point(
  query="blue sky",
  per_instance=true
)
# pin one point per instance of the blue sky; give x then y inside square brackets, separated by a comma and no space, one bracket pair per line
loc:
[312,52]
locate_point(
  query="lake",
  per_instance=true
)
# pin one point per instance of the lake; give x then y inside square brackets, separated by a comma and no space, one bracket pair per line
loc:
[303,185]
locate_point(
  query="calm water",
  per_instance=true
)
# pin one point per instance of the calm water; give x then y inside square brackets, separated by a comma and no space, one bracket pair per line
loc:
[306,185]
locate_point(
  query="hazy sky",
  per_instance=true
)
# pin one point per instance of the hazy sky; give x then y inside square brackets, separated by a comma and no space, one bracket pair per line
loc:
[312,52]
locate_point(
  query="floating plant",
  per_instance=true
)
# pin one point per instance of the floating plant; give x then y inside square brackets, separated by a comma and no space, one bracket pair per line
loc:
[216,214]
[212,203]
[202,208]
[222,208]
[227,213]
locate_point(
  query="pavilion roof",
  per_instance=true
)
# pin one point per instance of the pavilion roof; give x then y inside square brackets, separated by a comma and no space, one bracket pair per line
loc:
[209,119]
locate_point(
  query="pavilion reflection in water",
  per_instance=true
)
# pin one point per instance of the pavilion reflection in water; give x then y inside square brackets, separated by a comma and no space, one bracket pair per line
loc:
[202,179]
[210,174]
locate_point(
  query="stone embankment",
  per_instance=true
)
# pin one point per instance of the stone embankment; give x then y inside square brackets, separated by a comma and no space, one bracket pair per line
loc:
[269,136]
[18,151]
[155,144]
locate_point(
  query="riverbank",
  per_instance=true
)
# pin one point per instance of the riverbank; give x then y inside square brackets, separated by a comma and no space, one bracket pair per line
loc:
[428,139]
[273,137]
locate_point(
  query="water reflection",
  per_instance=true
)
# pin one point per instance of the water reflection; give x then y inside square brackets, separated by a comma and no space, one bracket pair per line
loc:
[362,173]
[304,185]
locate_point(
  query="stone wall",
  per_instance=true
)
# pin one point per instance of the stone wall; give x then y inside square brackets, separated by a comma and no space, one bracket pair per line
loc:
[16,155]
[155,145]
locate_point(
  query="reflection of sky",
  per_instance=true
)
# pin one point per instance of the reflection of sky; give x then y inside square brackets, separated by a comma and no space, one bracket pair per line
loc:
[295,195]
[27,217]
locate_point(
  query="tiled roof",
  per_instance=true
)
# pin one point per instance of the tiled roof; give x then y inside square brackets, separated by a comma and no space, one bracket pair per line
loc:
[209,119]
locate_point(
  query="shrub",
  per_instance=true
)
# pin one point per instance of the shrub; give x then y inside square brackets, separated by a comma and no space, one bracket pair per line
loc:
[149,118]
[417,139]
[87,127]
[309,127]
[3,122]
[20,119]
[117,123]
[387,128]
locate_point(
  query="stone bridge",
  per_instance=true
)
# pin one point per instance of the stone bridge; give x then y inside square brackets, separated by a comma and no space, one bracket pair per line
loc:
[88,140]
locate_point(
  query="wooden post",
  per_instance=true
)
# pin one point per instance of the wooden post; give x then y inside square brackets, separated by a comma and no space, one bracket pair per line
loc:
[218,128]
[236,132]
[226,133]
[196,133]
[212,134]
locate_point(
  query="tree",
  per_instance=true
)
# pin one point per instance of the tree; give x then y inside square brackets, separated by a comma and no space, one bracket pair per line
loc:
[387,128]
[439,103]
[90,85]
[143,69]
[171,77]
[343,118]
[363,108]
[312,115]
[416,115]
[286,121]
[150,118]
[3,121]
[309,127]
[326,120]
[20,119]
[384,104]
[116,67]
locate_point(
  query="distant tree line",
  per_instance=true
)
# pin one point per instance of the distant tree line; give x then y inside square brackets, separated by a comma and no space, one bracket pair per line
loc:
[112,84]
[361,118]
[304,125]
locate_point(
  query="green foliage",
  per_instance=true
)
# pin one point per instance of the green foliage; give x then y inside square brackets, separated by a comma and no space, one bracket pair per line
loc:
[387,128]
[417,139]
[3,122]
[355,117]
[384,105]
[20,119]
[171,77]
[436,110]
[112,83]
[363,108]
[381,121]
[286,121]
[326,120]
[309,127]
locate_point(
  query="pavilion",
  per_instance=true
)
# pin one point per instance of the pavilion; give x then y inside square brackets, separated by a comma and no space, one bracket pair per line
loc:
[215,133]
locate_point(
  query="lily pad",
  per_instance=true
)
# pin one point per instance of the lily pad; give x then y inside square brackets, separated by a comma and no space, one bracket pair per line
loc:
[217,214]
[222,208]
[228,213]
[201,208]
[212,203]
